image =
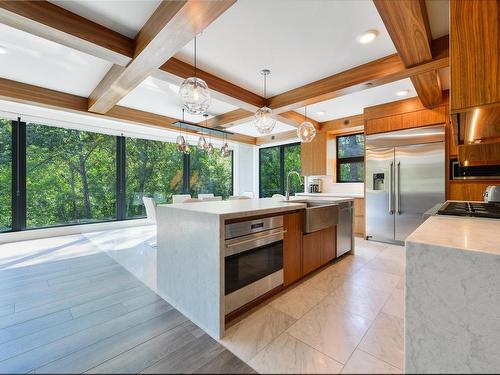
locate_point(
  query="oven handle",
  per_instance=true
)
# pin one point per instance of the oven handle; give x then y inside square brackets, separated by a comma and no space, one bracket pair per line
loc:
[254,239]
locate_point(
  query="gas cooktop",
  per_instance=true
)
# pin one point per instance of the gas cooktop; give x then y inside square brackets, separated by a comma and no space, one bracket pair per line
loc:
[474,209]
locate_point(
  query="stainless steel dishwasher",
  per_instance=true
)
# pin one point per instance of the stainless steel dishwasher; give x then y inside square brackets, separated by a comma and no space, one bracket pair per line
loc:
[345,230]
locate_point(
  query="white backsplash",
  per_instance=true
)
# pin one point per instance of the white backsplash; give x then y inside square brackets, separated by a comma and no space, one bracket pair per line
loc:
[328,186]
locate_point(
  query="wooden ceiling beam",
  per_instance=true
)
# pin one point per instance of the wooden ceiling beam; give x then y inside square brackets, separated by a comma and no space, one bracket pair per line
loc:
[34,95]
[171,27]
[54,23]
[407,23]
[375,73]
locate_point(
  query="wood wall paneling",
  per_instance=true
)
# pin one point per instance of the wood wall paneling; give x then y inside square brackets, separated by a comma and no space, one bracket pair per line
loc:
[292,247]
[469,190]
[474,53]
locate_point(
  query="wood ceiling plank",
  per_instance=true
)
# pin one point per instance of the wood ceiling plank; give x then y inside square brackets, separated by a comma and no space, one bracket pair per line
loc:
[171,27]
[34,95]
[54,23]
[292,134]
[407,23]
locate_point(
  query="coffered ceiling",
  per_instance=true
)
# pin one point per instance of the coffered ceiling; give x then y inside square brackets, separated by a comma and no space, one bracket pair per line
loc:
[300,41]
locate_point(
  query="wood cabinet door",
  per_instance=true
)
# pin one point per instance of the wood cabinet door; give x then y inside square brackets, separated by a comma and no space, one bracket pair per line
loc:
[313,156]
[292,248]
[328,244]
[311,252]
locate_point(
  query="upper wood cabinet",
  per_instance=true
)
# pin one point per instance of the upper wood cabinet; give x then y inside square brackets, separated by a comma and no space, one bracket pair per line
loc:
[474,54]
[313,156]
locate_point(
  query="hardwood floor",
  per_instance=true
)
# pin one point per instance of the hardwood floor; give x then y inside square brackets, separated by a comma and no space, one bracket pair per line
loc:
[85,313]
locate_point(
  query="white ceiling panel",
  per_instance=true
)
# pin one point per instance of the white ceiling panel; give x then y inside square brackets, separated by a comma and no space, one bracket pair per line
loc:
[249,129]
[123,16]
[40,62]
[160,97]
[439,17]
[299,41]
[353,104]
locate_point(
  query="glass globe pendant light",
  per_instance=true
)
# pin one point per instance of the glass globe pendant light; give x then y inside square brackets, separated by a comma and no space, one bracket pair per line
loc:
[306,131]
[202,143]
[209,147]
[180,141]
[263,118]
[224,151]
[194,92]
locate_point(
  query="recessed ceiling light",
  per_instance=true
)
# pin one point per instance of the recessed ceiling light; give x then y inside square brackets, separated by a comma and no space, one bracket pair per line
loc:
[3,50]
[402,92]
[368,37]
[320,113]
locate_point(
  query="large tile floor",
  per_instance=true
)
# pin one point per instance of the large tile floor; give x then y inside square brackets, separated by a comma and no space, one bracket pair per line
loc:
[346,318]
[66,306]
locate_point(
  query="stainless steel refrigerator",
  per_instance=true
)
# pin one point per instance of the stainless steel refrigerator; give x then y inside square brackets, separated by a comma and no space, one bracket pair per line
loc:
[405,176]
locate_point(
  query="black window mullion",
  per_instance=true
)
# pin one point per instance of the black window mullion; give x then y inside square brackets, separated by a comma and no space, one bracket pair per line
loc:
[186,175]
[18,175]
[121,206]
[282,170]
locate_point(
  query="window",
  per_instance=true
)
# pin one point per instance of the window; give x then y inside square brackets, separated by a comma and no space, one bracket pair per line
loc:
[274,164]
[350,158]
[153,169]
[66,177]
[70,176]
[5,175]
[210,173]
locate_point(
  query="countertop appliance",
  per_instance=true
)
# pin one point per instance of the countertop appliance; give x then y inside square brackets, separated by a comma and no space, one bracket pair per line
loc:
[471,209]
[492,193]
[253,260]
[315,186]
[345,228]
[405,176]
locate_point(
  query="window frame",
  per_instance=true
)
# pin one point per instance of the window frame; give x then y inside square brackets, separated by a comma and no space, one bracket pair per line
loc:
[19,178]
[347,160]
[282,176]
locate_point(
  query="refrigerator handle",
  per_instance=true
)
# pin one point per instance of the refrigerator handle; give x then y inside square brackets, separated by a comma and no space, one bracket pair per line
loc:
[391,170]
[398,190]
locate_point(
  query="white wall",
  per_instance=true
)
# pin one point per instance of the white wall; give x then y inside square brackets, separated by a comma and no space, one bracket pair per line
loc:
[244,168]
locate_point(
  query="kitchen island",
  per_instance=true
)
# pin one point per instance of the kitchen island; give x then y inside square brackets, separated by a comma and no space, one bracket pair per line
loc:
[452,299]
[190,254]
[193,244]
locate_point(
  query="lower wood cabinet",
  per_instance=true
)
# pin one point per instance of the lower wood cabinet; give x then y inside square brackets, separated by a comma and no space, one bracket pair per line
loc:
[292,247]
[311,252]
[304,253]
[318,248]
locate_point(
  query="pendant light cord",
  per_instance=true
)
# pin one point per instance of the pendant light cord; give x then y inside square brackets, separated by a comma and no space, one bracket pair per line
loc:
[265,86]
[195,56]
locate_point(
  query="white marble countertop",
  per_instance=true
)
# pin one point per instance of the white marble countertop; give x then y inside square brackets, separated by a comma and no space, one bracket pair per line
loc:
[464,233]
[238,208]
[346,195]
